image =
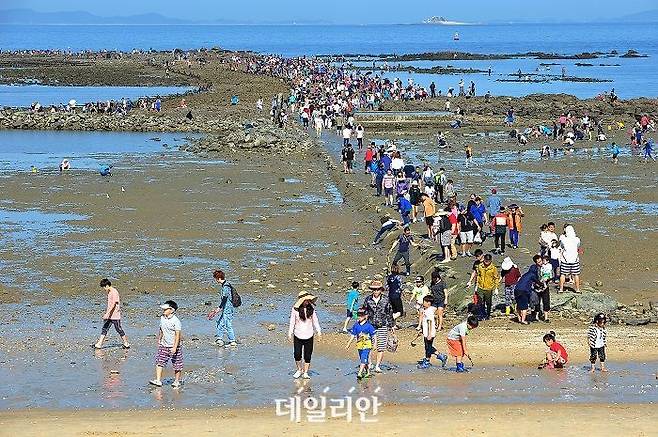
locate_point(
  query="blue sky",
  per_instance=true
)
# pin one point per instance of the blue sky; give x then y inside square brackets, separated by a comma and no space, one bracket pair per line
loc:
[347,11]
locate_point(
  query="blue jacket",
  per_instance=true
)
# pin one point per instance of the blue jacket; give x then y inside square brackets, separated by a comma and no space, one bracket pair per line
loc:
[478,212]
[404,206]
[528,279]
[493,205]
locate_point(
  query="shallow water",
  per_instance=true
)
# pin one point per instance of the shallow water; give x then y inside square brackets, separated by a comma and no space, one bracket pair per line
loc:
[24,95]
[20,149]
[259,370]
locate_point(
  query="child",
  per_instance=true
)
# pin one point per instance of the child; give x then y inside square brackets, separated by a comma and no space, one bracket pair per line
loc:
[419,292]
[511,275]
[112,315]
[426,324]
[555,260]
[556,355]
[596,336]
[546,272]
[457,341]
[169,345]
[351,303]
[363,332]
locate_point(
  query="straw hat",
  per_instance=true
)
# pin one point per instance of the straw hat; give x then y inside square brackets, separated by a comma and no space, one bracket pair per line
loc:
[376,285]
[507,264]
[302,296]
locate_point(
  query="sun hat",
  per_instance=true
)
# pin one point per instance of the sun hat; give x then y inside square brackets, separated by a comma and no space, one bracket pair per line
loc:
[170,304]
[376,285]
[302,296]
[507,264]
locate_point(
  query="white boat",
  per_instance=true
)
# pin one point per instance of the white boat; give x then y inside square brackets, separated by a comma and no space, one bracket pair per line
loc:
[456,36]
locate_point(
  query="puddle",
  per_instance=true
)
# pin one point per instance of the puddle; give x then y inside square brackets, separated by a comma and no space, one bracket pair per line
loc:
[25,227]
[19,150]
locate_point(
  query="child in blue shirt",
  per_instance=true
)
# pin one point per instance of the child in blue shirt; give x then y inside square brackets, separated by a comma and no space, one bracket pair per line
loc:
[351,304]
[364,333]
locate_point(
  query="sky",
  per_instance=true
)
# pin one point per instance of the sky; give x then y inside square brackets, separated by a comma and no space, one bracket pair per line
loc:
[347,11]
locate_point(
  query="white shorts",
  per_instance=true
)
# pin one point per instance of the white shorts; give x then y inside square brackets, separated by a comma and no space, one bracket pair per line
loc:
[466,237]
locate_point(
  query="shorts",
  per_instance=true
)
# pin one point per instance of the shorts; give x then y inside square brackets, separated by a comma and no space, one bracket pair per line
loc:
[570,268]
[388,191]
[522,299]
[466,237]
[446,238]
[455,348]
[350,314]
[350,163]
[429,221]
[382,339]
[364,356]
[164,355]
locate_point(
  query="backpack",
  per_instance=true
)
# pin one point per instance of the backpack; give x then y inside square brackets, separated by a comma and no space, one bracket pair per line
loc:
[444,224]
[236,300]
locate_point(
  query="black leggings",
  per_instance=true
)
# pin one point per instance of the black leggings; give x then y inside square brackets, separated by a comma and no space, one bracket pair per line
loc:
[429,348]
[117,326]
[307,345]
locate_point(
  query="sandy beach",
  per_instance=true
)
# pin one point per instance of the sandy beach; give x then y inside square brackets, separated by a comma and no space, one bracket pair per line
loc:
[473,419]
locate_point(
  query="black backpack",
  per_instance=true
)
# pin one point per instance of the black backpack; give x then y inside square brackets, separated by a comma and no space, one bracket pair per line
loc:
[236,300]
[444,224]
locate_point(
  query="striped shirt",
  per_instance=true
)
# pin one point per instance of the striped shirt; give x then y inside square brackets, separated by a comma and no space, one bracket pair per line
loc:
[596,336]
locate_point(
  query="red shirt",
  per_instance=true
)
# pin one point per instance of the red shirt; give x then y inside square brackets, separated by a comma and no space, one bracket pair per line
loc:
[512,277]
[369,154]
[453,222]
[557,347]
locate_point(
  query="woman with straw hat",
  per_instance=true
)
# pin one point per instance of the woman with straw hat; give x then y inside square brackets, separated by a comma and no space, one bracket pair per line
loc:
[380,315]
[303,324]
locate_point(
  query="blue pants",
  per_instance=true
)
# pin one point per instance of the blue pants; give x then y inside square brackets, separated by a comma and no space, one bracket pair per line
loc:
[225,324]
[406,219]
[364,355]
[514,237]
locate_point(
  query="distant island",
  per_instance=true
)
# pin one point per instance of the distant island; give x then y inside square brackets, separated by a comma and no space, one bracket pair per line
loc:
[441,20]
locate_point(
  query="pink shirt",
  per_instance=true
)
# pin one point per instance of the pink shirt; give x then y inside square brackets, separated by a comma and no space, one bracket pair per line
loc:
[113,299]
[303,329]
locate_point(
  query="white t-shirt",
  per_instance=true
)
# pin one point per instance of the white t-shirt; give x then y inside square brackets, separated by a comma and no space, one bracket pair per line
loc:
[458,331]
[569,246]
[397,164]
[347,133]
[429,326]
[359,133]
[169,326]
[547,237]
[419,293]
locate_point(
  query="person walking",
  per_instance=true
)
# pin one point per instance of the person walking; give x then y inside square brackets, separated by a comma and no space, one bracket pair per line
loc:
[380,314]
[303,325]
[403,244]
[112,316]
[488,280]
[515,224]
[225,310]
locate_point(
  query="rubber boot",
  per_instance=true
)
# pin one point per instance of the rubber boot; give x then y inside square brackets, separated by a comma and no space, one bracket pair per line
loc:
[460,368]
[508,309]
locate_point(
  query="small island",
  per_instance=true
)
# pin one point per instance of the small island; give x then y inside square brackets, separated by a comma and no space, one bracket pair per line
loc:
[441,20]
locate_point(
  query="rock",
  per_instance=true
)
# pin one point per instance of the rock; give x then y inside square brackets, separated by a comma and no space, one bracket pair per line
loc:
[329,284]
[371,261]
[254,281]
[207,303]
[638,321]
[653,304]
[599,284]
[271,327]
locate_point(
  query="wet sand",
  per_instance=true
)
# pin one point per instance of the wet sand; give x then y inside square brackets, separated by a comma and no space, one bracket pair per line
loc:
[280,224]
[514,420]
